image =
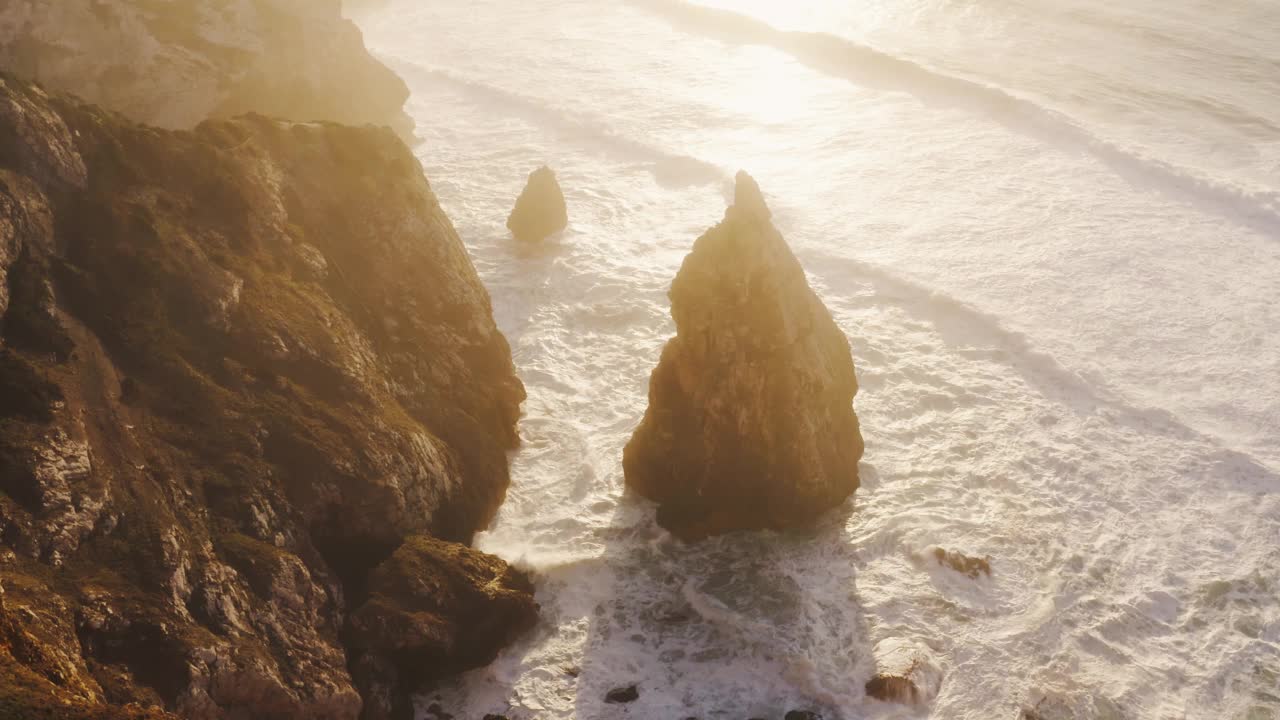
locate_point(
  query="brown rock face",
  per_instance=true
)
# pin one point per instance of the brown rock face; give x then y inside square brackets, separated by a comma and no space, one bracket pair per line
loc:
[750,421]
[540,210]
[238,367]
[175,64]
[433,609]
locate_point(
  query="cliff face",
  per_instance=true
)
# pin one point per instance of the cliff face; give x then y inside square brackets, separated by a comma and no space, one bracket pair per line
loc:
[750,423]
[174,64]
[240,366]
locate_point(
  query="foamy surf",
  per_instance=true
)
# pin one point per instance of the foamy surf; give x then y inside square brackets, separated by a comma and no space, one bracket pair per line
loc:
[1258,208]
[1062,344]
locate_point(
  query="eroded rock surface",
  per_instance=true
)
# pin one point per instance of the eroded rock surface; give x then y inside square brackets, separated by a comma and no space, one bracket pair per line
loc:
[750,421]
[239,366]
[432,609]
[174,64]
[540,210]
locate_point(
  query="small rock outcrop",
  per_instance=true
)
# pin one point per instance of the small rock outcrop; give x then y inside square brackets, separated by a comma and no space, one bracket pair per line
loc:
[622,695]
[240,368]
[972,567]
[175,64]
[905,673]
[433,609]
[750,423]
[540,210]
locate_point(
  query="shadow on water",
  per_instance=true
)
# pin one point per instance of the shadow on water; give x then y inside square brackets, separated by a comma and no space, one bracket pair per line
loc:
[525,273]
[747,625]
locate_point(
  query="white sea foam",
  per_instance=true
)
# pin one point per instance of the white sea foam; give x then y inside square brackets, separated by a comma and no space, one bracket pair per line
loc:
[1067,353]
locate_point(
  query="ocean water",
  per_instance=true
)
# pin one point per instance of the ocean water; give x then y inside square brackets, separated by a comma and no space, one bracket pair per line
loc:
[1051,231]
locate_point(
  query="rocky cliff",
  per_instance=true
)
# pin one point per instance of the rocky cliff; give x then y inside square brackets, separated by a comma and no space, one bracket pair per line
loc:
[174,64]
[241,368]
[750,421]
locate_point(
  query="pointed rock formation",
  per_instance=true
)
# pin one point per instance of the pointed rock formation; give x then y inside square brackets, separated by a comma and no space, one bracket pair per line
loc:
[750,421]
[540,209]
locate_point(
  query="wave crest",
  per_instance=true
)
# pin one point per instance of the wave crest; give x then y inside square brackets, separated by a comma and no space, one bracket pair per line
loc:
[840,58]
[671,170]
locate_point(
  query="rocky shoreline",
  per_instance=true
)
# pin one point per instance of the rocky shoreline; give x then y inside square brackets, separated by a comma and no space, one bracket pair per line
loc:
[249,372]
[253,401]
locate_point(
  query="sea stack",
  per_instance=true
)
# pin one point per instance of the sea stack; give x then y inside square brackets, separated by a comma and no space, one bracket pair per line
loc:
[540,210]
[750,423]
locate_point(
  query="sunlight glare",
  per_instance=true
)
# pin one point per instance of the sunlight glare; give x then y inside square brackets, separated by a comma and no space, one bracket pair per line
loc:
[785,15]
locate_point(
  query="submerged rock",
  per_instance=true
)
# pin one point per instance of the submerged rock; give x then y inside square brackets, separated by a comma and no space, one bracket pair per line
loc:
[434,609]
[905,673]
[540,210]
[750,421]
[618,696]
[963,564]
[207,444]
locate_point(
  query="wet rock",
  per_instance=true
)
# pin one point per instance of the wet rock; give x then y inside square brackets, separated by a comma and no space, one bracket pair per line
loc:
[540,210]
[750,422]
[622,695]
[436,608]
[905,673]
[963,564]
[209,437]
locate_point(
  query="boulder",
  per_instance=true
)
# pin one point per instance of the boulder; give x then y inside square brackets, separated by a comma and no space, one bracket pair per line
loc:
[434,609]
[540,210]
[905,673]
[973,567]
[750,422]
